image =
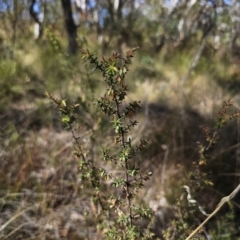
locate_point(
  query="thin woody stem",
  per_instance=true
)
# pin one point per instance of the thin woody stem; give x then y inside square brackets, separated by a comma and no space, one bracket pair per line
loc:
[128,194]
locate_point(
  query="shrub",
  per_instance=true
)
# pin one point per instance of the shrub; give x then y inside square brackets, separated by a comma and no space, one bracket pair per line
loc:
[120,215]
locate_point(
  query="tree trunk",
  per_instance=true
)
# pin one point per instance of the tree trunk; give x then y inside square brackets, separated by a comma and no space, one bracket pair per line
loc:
[70,27]
[14,21]
[38,18]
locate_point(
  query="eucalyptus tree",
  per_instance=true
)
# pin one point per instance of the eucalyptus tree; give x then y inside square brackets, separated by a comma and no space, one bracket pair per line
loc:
[71,14]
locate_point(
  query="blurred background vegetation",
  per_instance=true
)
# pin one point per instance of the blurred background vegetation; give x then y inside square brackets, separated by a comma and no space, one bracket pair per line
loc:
[186,67]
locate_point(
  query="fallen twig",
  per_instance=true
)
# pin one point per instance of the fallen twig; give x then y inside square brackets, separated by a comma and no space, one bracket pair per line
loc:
[221,203]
